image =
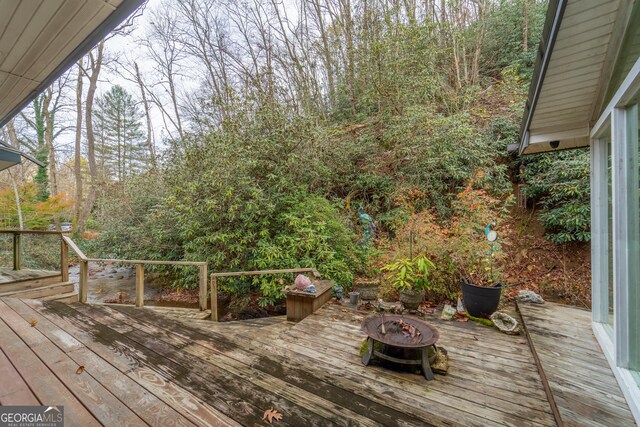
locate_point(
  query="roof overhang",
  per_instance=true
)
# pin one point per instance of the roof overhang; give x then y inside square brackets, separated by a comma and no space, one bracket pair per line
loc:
[8,157]
[576,57]
[41,39]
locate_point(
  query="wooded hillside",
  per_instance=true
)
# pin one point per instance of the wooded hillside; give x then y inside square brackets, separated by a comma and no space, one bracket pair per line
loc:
[248,134]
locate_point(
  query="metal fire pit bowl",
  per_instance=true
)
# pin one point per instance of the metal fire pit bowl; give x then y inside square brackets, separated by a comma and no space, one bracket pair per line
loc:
[394,337]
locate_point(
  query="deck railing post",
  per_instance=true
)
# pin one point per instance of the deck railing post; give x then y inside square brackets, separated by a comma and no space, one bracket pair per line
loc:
[139,285]
[84,280]
[64,261]
[17,252]
[214,298]
[203,287]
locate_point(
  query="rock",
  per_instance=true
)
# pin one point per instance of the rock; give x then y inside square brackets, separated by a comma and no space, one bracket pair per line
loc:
[505,323]
[302,281]
[441,364]
[391,307]
[529,296]
[310,288]
[448,312]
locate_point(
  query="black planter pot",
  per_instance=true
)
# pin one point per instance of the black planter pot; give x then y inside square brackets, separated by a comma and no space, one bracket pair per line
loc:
[481,301]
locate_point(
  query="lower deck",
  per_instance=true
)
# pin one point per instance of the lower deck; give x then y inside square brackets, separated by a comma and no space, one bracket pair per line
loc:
[140,367]
[8,275]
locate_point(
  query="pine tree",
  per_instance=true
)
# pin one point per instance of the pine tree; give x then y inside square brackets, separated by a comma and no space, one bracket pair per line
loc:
[120,140]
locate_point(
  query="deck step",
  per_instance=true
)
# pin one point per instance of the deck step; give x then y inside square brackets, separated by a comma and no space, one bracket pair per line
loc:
[42,291]
[20,285]
[67,298]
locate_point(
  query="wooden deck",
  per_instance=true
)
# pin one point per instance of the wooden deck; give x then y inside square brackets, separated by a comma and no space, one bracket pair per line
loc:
[144,368]
[583,385]
[8,275]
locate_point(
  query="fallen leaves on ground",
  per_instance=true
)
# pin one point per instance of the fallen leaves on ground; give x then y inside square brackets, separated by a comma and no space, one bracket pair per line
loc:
[272,414]
[407,328]
[461,317]
[33,322]
[80,370]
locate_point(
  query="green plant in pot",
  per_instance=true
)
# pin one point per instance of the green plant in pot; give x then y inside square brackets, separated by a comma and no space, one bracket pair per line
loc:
[410,276]
[481,281]
[475,250]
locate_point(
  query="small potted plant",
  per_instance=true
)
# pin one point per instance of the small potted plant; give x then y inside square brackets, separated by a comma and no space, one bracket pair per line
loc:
[410,276]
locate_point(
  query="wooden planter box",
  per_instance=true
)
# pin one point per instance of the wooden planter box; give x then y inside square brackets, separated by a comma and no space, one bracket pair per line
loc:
[301,304]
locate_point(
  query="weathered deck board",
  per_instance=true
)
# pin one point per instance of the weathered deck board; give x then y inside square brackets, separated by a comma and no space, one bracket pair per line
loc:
[580,378]
[14,390]
[151,409]
[129,363]
[84,386]
[8,275]
[150,367]
[41,380]
[336,358]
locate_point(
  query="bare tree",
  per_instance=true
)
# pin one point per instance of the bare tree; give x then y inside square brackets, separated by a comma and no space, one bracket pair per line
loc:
[93,72]
[77,163]
[145,103]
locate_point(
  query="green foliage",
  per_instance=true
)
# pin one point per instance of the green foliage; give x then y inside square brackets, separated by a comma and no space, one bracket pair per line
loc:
[120,145]
[504,46]
[410,274]
[37,214]
[559,183]
[275,173]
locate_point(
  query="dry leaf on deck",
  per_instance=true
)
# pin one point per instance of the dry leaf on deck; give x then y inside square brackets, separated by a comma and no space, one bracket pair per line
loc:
[80,370]
[272,414]
[334,318]
[33,322]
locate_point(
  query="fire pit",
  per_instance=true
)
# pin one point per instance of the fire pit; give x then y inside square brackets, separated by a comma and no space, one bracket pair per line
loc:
[397,332]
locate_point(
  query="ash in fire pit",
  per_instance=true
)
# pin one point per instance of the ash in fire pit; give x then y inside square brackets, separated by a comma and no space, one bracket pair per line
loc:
[397,334]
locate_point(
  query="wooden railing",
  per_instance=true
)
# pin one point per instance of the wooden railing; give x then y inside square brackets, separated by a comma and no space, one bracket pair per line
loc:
[139,302]
[66,243]
[214,282]
[17,249]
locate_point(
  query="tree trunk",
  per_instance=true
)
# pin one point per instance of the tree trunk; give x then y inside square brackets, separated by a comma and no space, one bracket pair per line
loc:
[525,25]
[77,163]
[17,196]
[96,64]
[48,139]
[348,31]
[145,103]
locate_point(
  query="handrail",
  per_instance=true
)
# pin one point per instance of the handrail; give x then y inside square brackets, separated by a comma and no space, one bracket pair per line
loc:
[138,261]
[75,248]
[84,273]
[17,231]
[214,282]
[17,249]
[263,272]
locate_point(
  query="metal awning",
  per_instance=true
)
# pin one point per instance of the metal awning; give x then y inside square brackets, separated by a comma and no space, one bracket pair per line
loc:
[41,39]
[579,48]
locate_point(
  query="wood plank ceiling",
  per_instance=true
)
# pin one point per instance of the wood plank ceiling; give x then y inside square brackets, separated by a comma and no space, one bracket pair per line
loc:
[579,71]
[36,36]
